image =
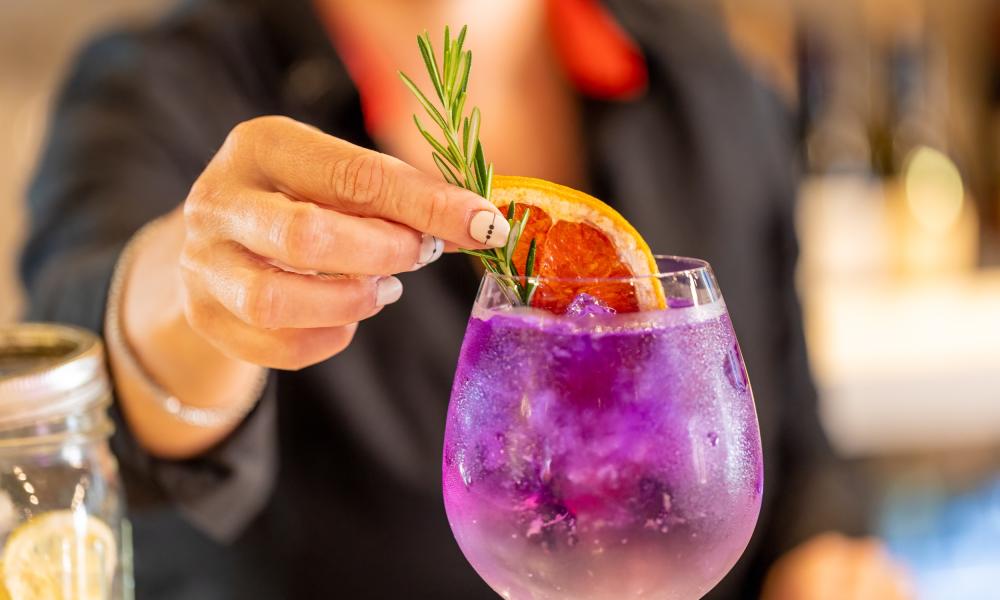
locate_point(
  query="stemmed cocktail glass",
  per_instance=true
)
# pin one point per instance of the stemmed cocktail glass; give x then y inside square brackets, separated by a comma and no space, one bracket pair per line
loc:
[603,456]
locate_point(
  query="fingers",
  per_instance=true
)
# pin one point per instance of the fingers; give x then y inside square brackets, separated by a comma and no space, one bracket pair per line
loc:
[833,566]
[287,349]
[306,164]
[862,564]
[282,200]
[265,297]
[873,573]
[308,237]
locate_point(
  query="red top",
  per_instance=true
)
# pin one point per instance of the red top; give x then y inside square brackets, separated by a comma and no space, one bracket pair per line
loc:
[599,57]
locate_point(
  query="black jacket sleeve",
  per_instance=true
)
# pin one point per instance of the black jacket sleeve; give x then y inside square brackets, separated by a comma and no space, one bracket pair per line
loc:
[134,125]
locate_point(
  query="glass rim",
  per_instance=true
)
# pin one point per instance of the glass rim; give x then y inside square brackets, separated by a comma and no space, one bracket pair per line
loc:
[687,266]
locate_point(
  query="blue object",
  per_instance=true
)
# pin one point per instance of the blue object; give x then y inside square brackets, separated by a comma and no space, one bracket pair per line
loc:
[950,543]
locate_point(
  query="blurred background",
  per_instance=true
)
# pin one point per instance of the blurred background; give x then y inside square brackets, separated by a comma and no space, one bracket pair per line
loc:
[898,105]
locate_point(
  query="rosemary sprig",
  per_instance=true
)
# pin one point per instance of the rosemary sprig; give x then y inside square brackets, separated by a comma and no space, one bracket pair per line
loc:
[460,156]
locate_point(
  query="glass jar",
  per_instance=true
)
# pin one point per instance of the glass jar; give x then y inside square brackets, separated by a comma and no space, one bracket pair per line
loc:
[62,530]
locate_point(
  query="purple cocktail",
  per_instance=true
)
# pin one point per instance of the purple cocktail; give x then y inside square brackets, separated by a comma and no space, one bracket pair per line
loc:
[602,456]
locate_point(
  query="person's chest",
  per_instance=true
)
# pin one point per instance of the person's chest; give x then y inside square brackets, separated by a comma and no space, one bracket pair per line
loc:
[386,396]
[360,442]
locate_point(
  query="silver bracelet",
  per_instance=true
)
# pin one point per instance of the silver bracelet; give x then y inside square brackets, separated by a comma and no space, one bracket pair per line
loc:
[170,404]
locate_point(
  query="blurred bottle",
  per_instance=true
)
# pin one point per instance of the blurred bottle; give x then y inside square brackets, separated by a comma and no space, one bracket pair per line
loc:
[834,98]
[991,210]
[914,87]
[935,227]
[884,196]
[841,220]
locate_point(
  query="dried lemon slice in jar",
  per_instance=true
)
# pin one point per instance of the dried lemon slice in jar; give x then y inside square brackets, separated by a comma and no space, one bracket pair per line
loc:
[60,555]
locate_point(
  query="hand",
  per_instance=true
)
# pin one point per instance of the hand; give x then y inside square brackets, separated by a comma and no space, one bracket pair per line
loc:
[833,567]
[282,202]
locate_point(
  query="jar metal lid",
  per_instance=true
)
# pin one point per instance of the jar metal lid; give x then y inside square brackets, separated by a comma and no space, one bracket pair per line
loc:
[49,371]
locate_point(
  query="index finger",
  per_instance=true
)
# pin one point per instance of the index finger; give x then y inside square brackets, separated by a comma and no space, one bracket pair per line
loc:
[310,165]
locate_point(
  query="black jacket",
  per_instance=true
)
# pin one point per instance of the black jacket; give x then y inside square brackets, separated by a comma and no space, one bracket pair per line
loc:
[331,488]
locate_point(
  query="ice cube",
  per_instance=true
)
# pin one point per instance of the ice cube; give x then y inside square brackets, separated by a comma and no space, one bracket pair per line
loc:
[585,305]
[735,371]
[680,302]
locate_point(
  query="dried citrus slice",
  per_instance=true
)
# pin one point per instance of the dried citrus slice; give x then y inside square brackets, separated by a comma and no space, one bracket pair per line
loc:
[60,555]
[3,589]
[579,237]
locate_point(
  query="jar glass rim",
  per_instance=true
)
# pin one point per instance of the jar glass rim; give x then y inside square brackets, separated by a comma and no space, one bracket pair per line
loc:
[54,371]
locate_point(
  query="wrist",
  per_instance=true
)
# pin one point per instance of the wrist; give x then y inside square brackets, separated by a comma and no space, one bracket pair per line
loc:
[152,304]
[156,331]
[179,396]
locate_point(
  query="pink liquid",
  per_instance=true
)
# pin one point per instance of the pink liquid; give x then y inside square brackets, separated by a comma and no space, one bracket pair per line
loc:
[609,457]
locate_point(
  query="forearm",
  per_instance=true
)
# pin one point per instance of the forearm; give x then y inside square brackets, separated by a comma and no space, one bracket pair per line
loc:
[169,352]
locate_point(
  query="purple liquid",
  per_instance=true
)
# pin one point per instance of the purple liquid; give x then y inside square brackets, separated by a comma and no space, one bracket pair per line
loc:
[603,456]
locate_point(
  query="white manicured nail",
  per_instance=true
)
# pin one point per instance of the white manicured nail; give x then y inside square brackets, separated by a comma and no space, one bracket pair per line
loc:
[387,291]
[489,228]
[431,249]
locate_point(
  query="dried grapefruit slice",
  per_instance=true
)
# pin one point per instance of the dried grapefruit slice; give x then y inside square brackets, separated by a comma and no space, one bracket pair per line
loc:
[578,237]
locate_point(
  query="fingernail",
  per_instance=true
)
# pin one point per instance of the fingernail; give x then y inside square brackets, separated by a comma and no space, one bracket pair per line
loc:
[387,291]
[431,249]
[489,228]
